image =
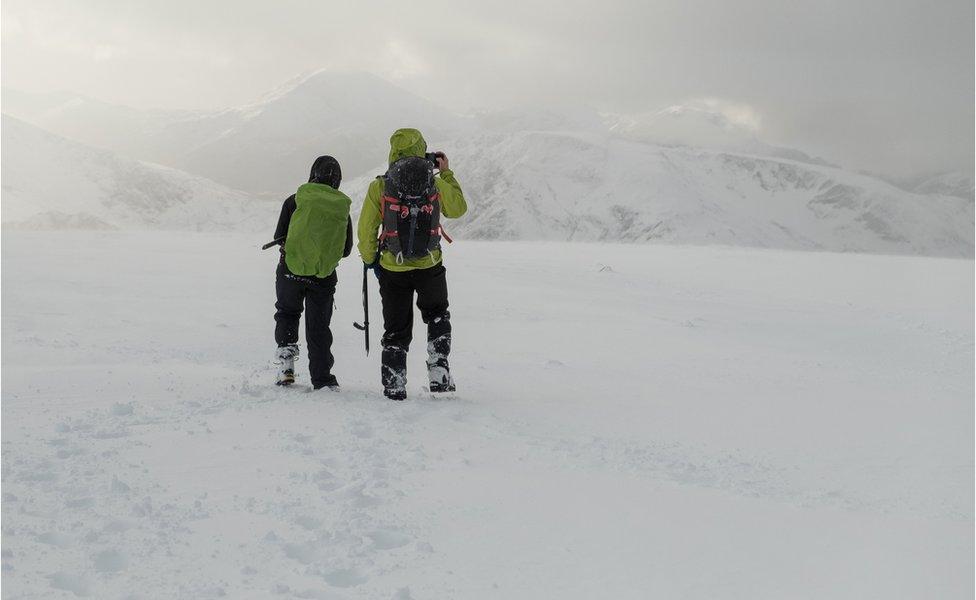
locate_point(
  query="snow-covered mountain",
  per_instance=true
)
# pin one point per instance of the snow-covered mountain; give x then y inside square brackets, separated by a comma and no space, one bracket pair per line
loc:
[694,173]
[50,182]
[563,186]
[143,134]
[947,183]
[952,183]
[697,125]
[264,147]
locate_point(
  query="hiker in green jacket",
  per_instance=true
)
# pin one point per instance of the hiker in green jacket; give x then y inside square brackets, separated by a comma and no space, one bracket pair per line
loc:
[400,236]
[317,229]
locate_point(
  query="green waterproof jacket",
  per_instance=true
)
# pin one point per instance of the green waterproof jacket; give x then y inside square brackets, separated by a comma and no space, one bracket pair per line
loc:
[405,142]
[317,231]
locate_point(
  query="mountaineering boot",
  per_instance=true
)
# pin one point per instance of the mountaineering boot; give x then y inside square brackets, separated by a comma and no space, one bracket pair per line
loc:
[330,383]
[285,359]
[393,373]
[395,394]
[440,378]
[438,369]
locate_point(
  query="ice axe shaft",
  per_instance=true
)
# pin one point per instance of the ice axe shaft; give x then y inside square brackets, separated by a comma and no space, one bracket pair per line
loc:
[364,327]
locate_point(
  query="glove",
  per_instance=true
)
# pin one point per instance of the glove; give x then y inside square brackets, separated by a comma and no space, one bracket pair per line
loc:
[374,266]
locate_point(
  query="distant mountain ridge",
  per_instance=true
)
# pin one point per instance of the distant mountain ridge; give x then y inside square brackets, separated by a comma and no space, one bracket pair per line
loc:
[700,127]
[263,147]
[954,183]
[50,182]
[586,187]
[681,175]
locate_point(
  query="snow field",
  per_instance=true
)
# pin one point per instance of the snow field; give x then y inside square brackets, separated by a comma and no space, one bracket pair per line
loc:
[631,422]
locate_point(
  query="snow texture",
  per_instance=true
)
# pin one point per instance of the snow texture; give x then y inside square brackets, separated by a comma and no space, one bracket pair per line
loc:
[630,422]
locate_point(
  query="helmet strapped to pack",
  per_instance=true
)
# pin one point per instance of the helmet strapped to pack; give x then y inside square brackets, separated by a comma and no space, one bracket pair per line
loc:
[411,210]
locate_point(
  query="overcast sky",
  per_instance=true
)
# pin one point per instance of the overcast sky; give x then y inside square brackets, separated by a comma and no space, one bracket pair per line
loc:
[882,85]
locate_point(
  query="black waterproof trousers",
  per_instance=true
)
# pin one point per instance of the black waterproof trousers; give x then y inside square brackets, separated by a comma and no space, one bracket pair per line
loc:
[397,291]
[315,295]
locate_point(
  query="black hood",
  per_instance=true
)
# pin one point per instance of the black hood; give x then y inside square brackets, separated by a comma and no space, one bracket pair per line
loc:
[326,170]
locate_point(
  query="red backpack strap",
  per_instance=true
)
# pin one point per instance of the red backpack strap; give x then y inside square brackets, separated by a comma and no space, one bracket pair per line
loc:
[391,203]
[440,231]
[388,200]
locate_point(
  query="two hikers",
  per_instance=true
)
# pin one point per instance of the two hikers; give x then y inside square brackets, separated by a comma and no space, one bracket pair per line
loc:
[399,239]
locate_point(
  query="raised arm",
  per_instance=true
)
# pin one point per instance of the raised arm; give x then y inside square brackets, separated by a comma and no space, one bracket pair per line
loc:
[453,204]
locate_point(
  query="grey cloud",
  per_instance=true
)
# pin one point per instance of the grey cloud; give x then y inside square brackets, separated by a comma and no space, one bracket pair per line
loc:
[879,85]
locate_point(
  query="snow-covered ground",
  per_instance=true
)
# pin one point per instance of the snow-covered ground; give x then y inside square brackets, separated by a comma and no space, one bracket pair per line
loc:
[631,422]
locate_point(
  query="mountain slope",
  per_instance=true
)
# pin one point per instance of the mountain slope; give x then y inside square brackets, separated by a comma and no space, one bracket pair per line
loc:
[700,126]
[263,148]
[953,183]
[52,182]
[144,134]
[560,186]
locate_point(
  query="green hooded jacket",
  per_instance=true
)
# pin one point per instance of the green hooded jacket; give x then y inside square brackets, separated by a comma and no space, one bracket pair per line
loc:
[405,142]
[317,231]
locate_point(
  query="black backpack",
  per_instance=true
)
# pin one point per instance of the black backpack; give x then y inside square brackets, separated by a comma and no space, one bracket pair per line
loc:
[411,210]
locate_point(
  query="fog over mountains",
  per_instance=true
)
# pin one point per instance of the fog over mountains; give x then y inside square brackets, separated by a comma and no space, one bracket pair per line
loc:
[262,148]
[685,174]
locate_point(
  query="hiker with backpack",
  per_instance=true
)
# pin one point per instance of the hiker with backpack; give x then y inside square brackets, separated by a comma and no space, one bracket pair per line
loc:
[399,239]
[315,231]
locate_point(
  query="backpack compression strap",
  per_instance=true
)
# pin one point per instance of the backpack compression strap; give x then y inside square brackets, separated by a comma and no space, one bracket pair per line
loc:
[389,236]
[393,210]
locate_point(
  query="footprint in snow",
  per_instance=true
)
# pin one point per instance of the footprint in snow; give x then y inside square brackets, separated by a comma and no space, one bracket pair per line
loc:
[69,582]
[53,538]
[361,429]
[385,539]
[308,523]
[122,409]
[110,561]
[345,577]
[326,481]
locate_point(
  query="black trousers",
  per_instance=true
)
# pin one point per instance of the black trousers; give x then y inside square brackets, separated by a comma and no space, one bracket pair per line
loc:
[397,291]
[315,295]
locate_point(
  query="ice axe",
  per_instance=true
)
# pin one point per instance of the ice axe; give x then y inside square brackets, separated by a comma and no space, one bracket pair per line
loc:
[274,242]
[365,325]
